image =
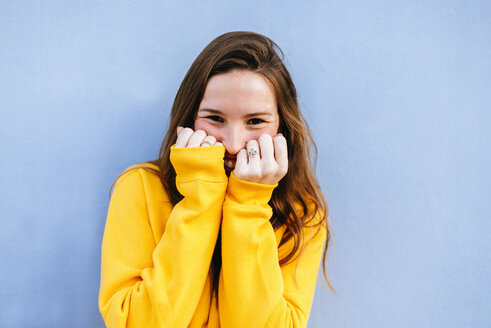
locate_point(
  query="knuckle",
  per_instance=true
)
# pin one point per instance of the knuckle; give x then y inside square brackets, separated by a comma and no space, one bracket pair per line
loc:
[200,132]
[280,139]
[251,142]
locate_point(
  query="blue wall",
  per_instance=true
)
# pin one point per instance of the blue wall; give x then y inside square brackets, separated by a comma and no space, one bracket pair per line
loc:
[397,94]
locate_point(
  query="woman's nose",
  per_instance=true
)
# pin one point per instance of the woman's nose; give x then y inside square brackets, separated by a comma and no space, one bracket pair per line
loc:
[233,142]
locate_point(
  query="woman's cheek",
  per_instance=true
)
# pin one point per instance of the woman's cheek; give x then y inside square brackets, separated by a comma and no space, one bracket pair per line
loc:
[255,135]
[268,130]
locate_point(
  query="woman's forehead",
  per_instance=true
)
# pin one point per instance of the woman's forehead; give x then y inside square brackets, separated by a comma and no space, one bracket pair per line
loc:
[239,92]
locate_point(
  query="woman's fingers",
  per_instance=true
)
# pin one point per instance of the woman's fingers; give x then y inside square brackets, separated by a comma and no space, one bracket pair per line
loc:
[267,149]
[253,154]
[208,141]
[264,161]
[281,153]
[241,162]
[186,137]
[197,138]
[183,137]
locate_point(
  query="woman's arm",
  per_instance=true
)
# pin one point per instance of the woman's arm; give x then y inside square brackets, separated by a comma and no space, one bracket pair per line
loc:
[254,290]
[158,283]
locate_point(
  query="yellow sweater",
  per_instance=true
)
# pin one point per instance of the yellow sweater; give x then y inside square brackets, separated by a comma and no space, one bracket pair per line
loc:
[156,258]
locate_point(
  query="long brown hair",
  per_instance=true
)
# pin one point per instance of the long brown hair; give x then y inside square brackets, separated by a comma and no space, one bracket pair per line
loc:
[257,53]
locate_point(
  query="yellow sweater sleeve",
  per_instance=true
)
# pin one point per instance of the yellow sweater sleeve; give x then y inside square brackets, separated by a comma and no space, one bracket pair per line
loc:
[254,291]
[158,283]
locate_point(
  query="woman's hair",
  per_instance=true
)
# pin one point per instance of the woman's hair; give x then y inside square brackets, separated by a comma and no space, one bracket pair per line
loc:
[298,198]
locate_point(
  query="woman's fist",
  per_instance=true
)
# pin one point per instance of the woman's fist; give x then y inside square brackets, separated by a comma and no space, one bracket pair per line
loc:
[263,162]
[186,138]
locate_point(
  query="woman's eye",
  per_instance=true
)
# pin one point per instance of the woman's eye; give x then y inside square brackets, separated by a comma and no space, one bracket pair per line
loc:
[215,118]
[256,121]
[252,121]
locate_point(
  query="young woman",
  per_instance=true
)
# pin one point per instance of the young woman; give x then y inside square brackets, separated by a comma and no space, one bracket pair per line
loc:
[226,228]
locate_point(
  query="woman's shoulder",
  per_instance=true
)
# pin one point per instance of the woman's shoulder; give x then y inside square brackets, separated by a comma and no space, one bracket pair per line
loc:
[143,176]
[142,170]
[143,166]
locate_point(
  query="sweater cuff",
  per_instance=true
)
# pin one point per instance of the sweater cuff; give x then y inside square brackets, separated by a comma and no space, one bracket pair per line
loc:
[246,192]
[199,162]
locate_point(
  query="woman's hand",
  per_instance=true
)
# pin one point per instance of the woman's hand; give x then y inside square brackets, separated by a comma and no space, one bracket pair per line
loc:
[263,162]
[186,138]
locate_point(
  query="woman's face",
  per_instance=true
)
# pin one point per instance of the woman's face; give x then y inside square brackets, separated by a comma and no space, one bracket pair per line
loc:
[237,106]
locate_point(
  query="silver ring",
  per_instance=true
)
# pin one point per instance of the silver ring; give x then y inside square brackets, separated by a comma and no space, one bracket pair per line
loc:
[252,152]
[206,142]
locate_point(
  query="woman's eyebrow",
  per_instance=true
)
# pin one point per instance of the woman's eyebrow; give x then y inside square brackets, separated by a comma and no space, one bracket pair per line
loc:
[216,111]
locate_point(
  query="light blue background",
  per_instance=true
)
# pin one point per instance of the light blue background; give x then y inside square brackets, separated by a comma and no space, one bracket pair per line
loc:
[397,94]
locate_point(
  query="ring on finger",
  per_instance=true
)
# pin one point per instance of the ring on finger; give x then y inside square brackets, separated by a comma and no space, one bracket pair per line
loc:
[252,153]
